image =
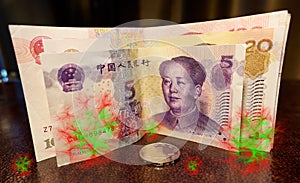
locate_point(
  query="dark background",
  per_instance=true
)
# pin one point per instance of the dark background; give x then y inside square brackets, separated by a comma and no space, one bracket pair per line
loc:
[110,13]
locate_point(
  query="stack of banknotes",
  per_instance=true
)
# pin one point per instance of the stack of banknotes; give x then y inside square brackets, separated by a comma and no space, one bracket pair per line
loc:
[90,91]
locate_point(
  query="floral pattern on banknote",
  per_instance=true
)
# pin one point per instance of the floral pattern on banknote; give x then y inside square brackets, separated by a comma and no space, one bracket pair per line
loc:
[257,134]
[90,130]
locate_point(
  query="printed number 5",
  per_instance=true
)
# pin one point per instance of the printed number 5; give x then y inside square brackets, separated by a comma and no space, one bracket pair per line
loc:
[129,90]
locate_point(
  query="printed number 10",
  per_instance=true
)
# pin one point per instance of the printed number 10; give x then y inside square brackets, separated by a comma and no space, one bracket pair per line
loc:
[49,143]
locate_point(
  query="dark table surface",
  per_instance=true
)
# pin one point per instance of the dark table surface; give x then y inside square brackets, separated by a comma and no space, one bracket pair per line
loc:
[213,164]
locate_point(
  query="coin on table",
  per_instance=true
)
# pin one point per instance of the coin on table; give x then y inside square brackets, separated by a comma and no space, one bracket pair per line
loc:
[160,153]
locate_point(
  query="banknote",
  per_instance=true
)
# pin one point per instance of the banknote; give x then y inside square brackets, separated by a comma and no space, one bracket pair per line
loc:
[101,101]
[27,41]
[263,67]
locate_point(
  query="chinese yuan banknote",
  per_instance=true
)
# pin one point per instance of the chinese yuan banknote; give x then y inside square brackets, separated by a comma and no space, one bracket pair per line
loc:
[263,66]
[27,41]
[101,101]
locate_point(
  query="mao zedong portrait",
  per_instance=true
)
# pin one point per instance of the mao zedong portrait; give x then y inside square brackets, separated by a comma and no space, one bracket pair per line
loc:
[182,81]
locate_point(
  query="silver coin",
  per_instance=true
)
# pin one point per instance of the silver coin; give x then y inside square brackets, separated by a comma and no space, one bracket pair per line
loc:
[160,153]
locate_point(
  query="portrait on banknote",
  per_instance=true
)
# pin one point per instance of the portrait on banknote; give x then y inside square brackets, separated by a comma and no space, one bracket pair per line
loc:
[182,81]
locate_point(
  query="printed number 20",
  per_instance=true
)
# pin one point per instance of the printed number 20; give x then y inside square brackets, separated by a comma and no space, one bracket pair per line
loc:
[263,45]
